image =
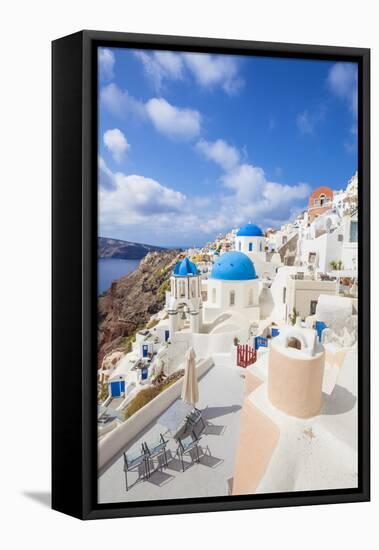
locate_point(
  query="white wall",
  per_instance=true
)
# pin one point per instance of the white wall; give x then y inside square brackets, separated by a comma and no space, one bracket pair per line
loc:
[242,244]
[212,309]
[262,267]
[349,253]
[276,290]
[328,248]
[27,28]
[300,293]
[349,256]
[206,345]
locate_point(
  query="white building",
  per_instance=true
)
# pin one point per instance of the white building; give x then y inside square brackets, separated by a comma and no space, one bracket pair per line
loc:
[251,241]
[340,318]
[185,299]
[233,285]
[349,253]
[344,200]
[302,293]
[326,243]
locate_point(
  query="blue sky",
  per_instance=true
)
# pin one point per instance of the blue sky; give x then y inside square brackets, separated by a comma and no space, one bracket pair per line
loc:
[191,145]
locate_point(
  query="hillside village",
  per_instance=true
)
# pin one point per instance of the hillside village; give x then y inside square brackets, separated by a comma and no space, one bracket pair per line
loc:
[279,308]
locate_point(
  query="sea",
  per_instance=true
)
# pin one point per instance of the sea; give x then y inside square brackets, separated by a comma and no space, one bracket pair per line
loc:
[110,269]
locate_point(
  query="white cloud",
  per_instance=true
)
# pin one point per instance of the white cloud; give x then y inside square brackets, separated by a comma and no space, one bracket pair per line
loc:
[249,194]
[173,121]
[305,122]
[105,175]
[259,197]
[106,63]
[209,71]
[140,206]
[133,199]
[215,70]
[220,152]
[120,103]
[161,65]
[343,81]
[350,143]
[171,63]
[116,142]
[246,180]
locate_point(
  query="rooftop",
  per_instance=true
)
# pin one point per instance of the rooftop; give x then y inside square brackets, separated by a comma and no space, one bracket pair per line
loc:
[185,268]
[311,453]
[233,266]
[221,396]
[249,230]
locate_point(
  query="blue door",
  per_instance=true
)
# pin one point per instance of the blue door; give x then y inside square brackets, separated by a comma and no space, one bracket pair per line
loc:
[122,387]
[115,389]
[166,335]
[144,372]
[319,328]
[144,350]
[250,247]
[260,342]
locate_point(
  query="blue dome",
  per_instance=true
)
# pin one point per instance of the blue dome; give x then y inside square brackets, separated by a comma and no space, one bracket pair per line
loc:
[185,268]
[233,266]
[250,230]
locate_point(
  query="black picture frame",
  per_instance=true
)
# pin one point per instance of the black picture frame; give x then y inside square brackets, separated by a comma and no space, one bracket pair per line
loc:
[74,294]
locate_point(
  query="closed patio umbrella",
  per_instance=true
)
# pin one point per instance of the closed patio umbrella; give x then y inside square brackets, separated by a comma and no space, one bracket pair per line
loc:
[190,390]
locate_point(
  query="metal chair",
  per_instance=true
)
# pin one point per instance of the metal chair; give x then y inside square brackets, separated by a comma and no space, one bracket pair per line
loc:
[180,431]
[155,450]
[194,420]
[186,445]
[135,462]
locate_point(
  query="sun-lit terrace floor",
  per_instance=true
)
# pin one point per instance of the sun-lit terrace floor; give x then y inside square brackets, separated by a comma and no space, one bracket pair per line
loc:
[221,396]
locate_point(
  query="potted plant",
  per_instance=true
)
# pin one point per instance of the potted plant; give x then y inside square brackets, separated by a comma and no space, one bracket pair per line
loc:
[293,316]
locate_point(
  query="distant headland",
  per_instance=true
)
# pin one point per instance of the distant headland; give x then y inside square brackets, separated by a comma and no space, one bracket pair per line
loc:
[125,250]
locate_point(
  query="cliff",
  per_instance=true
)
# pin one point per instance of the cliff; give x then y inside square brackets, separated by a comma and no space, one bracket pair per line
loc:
[125,250]
[132,300]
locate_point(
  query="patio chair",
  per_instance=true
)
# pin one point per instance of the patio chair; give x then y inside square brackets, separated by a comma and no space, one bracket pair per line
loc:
[180,431]
[156,450]
[135,462]
[195,421]
[186,445]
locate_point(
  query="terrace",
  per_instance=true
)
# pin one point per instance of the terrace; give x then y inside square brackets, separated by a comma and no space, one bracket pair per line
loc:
[221,392]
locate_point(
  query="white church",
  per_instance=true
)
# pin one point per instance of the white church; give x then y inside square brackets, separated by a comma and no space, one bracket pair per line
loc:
[233,284]
[251,241]
[232,287]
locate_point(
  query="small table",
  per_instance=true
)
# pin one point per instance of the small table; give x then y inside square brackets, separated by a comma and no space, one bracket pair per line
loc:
[175,415]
